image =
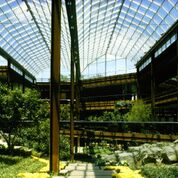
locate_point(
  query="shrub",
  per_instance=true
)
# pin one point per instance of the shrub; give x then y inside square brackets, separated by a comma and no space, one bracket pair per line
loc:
[139,112]
[107,116]
[38,138]
[164,171]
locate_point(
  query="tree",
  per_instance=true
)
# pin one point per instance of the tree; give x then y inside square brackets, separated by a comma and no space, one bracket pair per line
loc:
[11,114]
[17,110]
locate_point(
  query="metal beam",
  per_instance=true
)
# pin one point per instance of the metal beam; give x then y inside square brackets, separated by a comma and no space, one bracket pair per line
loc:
[75,63]
[166,35]
[152,86]
[55,84]
[72,19]
[11,60]
[72,104]
[132,136]
[177,70]
[36,23]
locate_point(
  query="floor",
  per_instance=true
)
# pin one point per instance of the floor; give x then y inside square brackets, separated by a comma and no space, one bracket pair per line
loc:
[84,170]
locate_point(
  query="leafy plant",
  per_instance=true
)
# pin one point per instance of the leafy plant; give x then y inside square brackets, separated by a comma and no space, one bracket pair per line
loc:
[164,171]
[139,112]
[17,110]
[10,166]
[107,116]
[64,112]
[38,138]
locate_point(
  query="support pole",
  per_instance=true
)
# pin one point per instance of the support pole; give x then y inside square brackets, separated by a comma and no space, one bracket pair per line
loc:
[72,105]
[8,73]
[177,71]
[75,62]
[23,83]
[54,87]
[152,87]
[77,106]
[105,66]
[78,144]
[138,84]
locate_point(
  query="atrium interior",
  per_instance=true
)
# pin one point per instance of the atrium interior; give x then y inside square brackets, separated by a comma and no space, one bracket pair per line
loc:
[96,55]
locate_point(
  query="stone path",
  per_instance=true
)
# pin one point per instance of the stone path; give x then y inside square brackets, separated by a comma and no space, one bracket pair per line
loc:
[84,170]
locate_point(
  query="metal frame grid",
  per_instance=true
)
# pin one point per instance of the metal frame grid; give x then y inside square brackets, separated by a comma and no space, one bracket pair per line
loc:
[124,29]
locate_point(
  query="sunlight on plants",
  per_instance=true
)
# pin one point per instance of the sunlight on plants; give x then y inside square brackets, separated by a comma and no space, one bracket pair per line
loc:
[34,175]
[124,172]
[42,172]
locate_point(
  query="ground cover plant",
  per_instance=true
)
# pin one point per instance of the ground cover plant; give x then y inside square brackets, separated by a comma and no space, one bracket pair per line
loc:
[11,166]
[160,171]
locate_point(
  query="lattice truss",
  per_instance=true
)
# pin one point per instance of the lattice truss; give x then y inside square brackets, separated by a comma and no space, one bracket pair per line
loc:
[125,29]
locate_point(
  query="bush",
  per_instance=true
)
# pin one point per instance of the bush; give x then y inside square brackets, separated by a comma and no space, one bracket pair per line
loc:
[38,138]
[164,171]
[139,112]
[107,116]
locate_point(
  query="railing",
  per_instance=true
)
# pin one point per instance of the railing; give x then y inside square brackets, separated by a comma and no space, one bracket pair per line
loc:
[123,126]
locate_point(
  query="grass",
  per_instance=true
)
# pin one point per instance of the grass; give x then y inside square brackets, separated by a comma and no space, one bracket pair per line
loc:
[10,166]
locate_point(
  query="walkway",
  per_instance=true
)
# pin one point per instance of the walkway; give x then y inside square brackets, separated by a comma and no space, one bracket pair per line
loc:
[85,170]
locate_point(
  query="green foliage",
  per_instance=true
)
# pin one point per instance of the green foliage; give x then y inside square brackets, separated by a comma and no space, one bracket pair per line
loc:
[64,149]
[16,110]
[107,116]
[163,171]
[38,138]
[139,112]
[10,166]
[65,112]
[25,118]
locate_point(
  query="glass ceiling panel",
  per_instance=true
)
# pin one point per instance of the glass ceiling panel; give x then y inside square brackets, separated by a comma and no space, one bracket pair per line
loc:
[25,33]
[123,29]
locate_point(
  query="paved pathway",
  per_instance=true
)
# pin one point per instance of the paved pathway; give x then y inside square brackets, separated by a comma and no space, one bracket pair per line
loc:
[85,170]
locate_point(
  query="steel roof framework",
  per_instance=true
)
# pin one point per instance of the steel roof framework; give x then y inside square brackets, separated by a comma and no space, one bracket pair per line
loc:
[124,29]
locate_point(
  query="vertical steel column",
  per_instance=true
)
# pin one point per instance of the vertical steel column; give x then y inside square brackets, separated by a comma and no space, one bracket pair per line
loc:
[105,66]
[78,144]
[72,104]
[152,86]
[177,71]
[72,19]
[8,72]
[77,92]
[138,84]
[77,108]
[23,83]
[115,65]
[54,87]
[9,80]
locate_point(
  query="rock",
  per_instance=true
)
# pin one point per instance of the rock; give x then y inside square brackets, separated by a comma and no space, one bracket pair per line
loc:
[117,155]
[156,151]
[118,152]
[134,149]
[169,154]
[176,150]
[176,142]
[109,159]
[127,158]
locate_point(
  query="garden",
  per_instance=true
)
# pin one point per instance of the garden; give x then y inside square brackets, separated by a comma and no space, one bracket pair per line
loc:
[24,136]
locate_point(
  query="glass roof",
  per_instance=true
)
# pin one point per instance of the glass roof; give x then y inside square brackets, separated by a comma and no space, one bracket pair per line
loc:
[123,29]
